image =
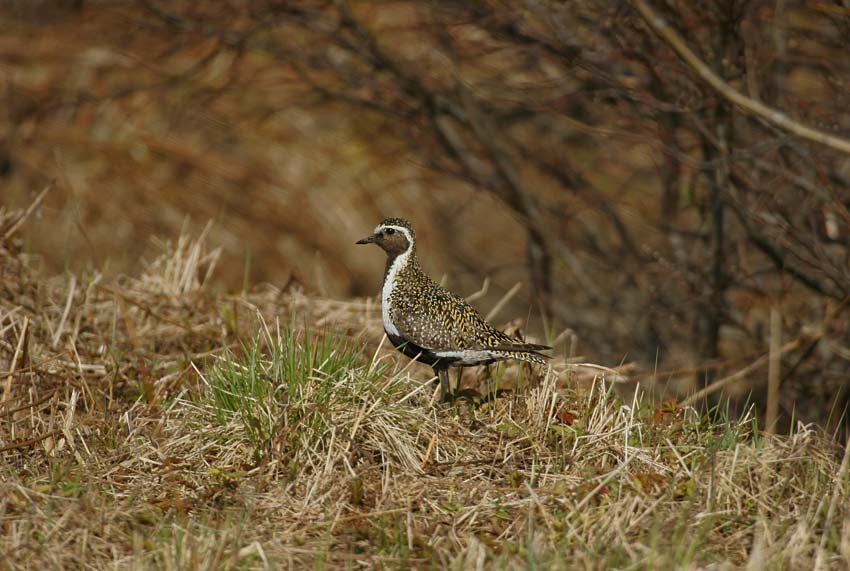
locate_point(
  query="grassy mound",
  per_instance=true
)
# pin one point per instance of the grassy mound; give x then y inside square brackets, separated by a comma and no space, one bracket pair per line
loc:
[151,422]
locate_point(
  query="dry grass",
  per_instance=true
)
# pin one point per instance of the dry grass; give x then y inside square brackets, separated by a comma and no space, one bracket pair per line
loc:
[150,422]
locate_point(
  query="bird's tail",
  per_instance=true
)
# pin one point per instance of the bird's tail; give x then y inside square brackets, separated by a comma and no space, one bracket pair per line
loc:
[525,352]
[522,347]
[532,357]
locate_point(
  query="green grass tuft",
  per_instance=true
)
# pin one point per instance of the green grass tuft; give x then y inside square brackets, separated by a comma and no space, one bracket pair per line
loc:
[284,381]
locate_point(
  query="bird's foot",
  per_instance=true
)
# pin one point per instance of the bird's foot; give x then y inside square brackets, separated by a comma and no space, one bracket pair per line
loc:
[470,395]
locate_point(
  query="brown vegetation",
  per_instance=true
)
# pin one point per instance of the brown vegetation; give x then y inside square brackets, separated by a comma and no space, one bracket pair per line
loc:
[151,423]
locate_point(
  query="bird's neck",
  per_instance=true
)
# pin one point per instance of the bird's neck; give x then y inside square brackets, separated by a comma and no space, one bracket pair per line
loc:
[402,262]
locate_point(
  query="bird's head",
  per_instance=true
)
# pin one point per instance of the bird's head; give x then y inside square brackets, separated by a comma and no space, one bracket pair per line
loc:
[394,235]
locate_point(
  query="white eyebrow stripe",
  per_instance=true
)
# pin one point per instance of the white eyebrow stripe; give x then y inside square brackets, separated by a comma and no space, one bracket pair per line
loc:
[401,229]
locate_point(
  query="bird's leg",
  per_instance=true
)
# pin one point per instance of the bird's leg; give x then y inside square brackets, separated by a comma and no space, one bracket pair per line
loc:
[459,380]
[445,389]
[489,383]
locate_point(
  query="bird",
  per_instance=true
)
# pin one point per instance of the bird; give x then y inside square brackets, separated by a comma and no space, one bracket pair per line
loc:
[429,323]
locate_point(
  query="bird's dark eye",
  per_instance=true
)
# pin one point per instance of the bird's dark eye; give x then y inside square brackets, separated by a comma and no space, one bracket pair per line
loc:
[390,231]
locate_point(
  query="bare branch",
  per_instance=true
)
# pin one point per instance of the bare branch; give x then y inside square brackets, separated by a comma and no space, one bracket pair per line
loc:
[757,108]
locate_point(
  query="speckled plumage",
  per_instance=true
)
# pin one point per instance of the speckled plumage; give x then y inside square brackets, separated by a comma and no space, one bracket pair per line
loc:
[426,321]
[432,317]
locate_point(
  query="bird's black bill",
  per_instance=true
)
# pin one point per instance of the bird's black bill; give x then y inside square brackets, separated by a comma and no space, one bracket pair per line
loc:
[367,240]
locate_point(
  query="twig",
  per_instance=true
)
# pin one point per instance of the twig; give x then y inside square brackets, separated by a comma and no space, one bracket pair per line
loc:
[71,290]
[122,297]
[27,213]
[773,366]
[31,441]
[8,388]
[502,302]
[428,451]
[719,384]
[757,108]
[40,401]
[485,287]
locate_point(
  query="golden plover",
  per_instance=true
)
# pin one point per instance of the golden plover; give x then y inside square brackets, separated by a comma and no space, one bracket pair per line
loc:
[427,322]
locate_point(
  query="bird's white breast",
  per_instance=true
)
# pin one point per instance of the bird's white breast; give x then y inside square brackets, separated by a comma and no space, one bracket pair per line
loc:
[387,290]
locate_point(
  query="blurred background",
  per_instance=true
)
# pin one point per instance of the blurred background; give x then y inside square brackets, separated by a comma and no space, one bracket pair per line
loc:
[563,146]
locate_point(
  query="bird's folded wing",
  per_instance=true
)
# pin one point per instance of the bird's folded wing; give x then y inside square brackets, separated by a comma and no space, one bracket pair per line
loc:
[438,335]
[426,332]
